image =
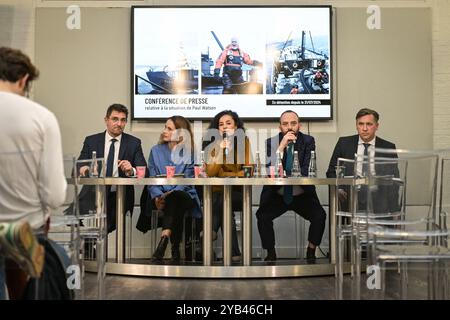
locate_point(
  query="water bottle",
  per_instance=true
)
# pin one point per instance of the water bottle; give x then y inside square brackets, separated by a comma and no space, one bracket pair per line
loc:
[279,173]
[257,166]
[296,166]
[312,169]
[93,170]
[203,164]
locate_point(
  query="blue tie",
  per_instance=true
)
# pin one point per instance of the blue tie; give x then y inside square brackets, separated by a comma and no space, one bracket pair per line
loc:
[288,190]
[110,160]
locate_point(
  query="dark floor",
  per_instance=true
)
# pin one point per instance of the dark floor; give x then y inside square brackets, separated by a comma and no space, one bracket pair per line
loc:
[305,288]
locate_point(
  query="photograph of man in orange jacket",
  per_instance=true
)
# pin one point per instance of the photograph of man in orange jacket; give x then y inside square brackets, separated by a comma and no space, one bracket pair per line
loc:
[232,60]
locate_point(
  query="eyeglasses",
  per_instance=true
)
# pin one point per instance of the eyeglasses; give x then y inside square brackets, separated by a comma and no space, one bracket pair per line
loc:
[115,119]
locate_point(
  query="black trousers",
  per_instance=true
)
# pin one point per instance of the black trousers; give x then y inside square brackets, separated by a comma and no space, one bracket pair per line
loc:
[228,82]
[111,197]
[306,205]
[177,203]
[111,211]
[217,207]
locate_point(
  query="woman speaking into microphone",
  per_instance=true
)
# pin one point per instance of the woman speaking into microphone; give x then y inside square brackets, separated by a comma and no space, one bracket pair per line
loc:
[226,157]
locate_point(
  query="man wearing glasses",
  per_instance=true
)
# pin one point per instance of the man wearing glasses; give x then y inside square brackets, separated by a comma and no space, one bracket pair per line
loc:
[122,153]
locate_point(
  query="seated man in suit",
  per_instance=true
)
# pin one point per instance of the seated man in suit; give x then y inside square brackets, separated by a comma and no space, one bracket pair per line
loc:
[277,200]
[361,144]
[122,153]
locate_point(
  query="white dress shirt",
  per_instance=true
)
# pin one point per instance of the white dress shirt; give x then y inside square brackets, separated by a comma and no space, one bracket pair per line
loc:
[115,172]
[360,152]
[108,138]
[32,180]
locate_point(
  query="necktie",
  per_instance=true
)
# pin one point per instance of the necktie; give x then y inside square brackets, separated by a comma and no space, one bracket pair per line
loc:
[110,160]
[365,166]
[287,193]
[362,193]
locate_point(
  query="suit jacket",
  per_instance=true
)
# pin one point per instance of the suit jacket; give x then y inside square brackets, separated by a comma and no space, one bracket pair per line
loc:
[347,147]
[386,195]
[130,149]
[304,145]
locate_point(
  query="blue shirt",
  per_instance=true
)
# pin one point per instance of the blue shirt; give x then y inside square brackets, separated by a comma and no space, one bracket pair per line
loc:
[160,157]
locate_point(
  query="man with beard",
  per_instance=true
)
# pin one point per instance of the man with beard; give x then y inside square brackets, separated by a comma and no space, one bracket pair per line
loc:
[122,153]
[303,200]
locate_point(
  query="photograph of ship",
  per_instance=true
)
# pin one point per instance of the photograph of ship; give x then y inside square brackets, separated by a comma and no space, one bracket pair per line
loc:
[299,64]
[229,65]
[164,62]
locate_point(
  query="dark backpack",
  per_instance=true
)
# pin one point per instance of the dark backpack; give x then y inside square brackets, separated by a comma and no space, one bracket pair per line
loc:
[52,285]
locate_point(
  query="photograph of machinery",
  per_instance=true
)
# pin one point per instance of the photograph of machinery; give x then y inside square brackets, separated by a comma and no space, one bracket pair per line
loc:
[298,65]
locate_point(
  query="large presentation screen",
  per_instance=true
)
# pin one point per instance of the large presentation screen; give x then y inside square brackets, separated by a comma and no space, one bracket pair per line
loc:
[257,61]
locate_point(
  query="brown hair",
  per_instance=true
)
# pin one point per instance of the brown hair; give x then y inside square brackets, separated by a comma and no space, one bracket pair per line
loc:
[365,112]
[14,65]
[181,123]
[116,107]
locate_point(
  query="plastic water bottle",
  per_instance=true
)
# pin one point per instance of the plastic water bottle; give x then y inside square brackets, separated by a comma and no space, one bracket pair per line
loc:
[279,173]
[203,164]
[296,166]
[312,169]
[257,166]
[93,170]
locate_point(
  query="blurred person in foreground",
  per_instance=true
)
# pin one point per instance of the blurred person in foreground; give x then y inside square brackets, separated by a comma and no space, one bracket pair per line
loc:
[32,173]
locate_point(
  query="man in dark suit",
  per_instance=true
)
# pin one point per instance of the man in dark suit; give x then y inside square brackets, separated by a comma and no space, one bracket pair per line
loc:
[361,144]
[122,153]
[276,200]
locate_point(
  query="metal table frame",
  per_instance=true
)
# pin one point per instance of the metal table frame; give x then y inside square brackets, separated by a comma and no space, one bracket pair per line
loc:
[227,270]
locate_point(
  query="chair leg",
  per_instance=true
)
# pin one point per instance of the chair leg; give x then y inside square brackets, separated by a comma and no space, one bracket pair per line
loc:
[193,242]
[352,255]
[445,282]
[129,235]
[437,279]
[382,280]
[154,231]
[404,280]
[356,281]
[339,269]
[80,251]
[101,269]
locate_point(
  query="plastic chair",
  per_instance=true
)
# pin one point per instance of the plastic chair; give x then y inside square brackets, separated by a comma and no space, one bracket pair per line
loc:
[91,203]
[189,239]
[351,226]
[417,238]
[444,191]
[65,228]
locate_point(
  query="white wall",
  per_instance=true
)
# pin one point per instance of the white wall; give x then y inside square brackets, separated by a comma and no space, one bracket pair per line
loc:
[441,74]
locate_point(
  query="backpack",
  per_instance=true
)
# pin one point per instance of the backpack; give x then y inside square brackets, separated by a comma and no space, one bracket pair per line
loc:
[52,285]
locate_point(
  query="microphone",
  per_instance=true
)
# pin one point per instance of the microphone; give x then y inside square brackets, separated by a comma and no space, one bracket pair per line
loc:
[225,138]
